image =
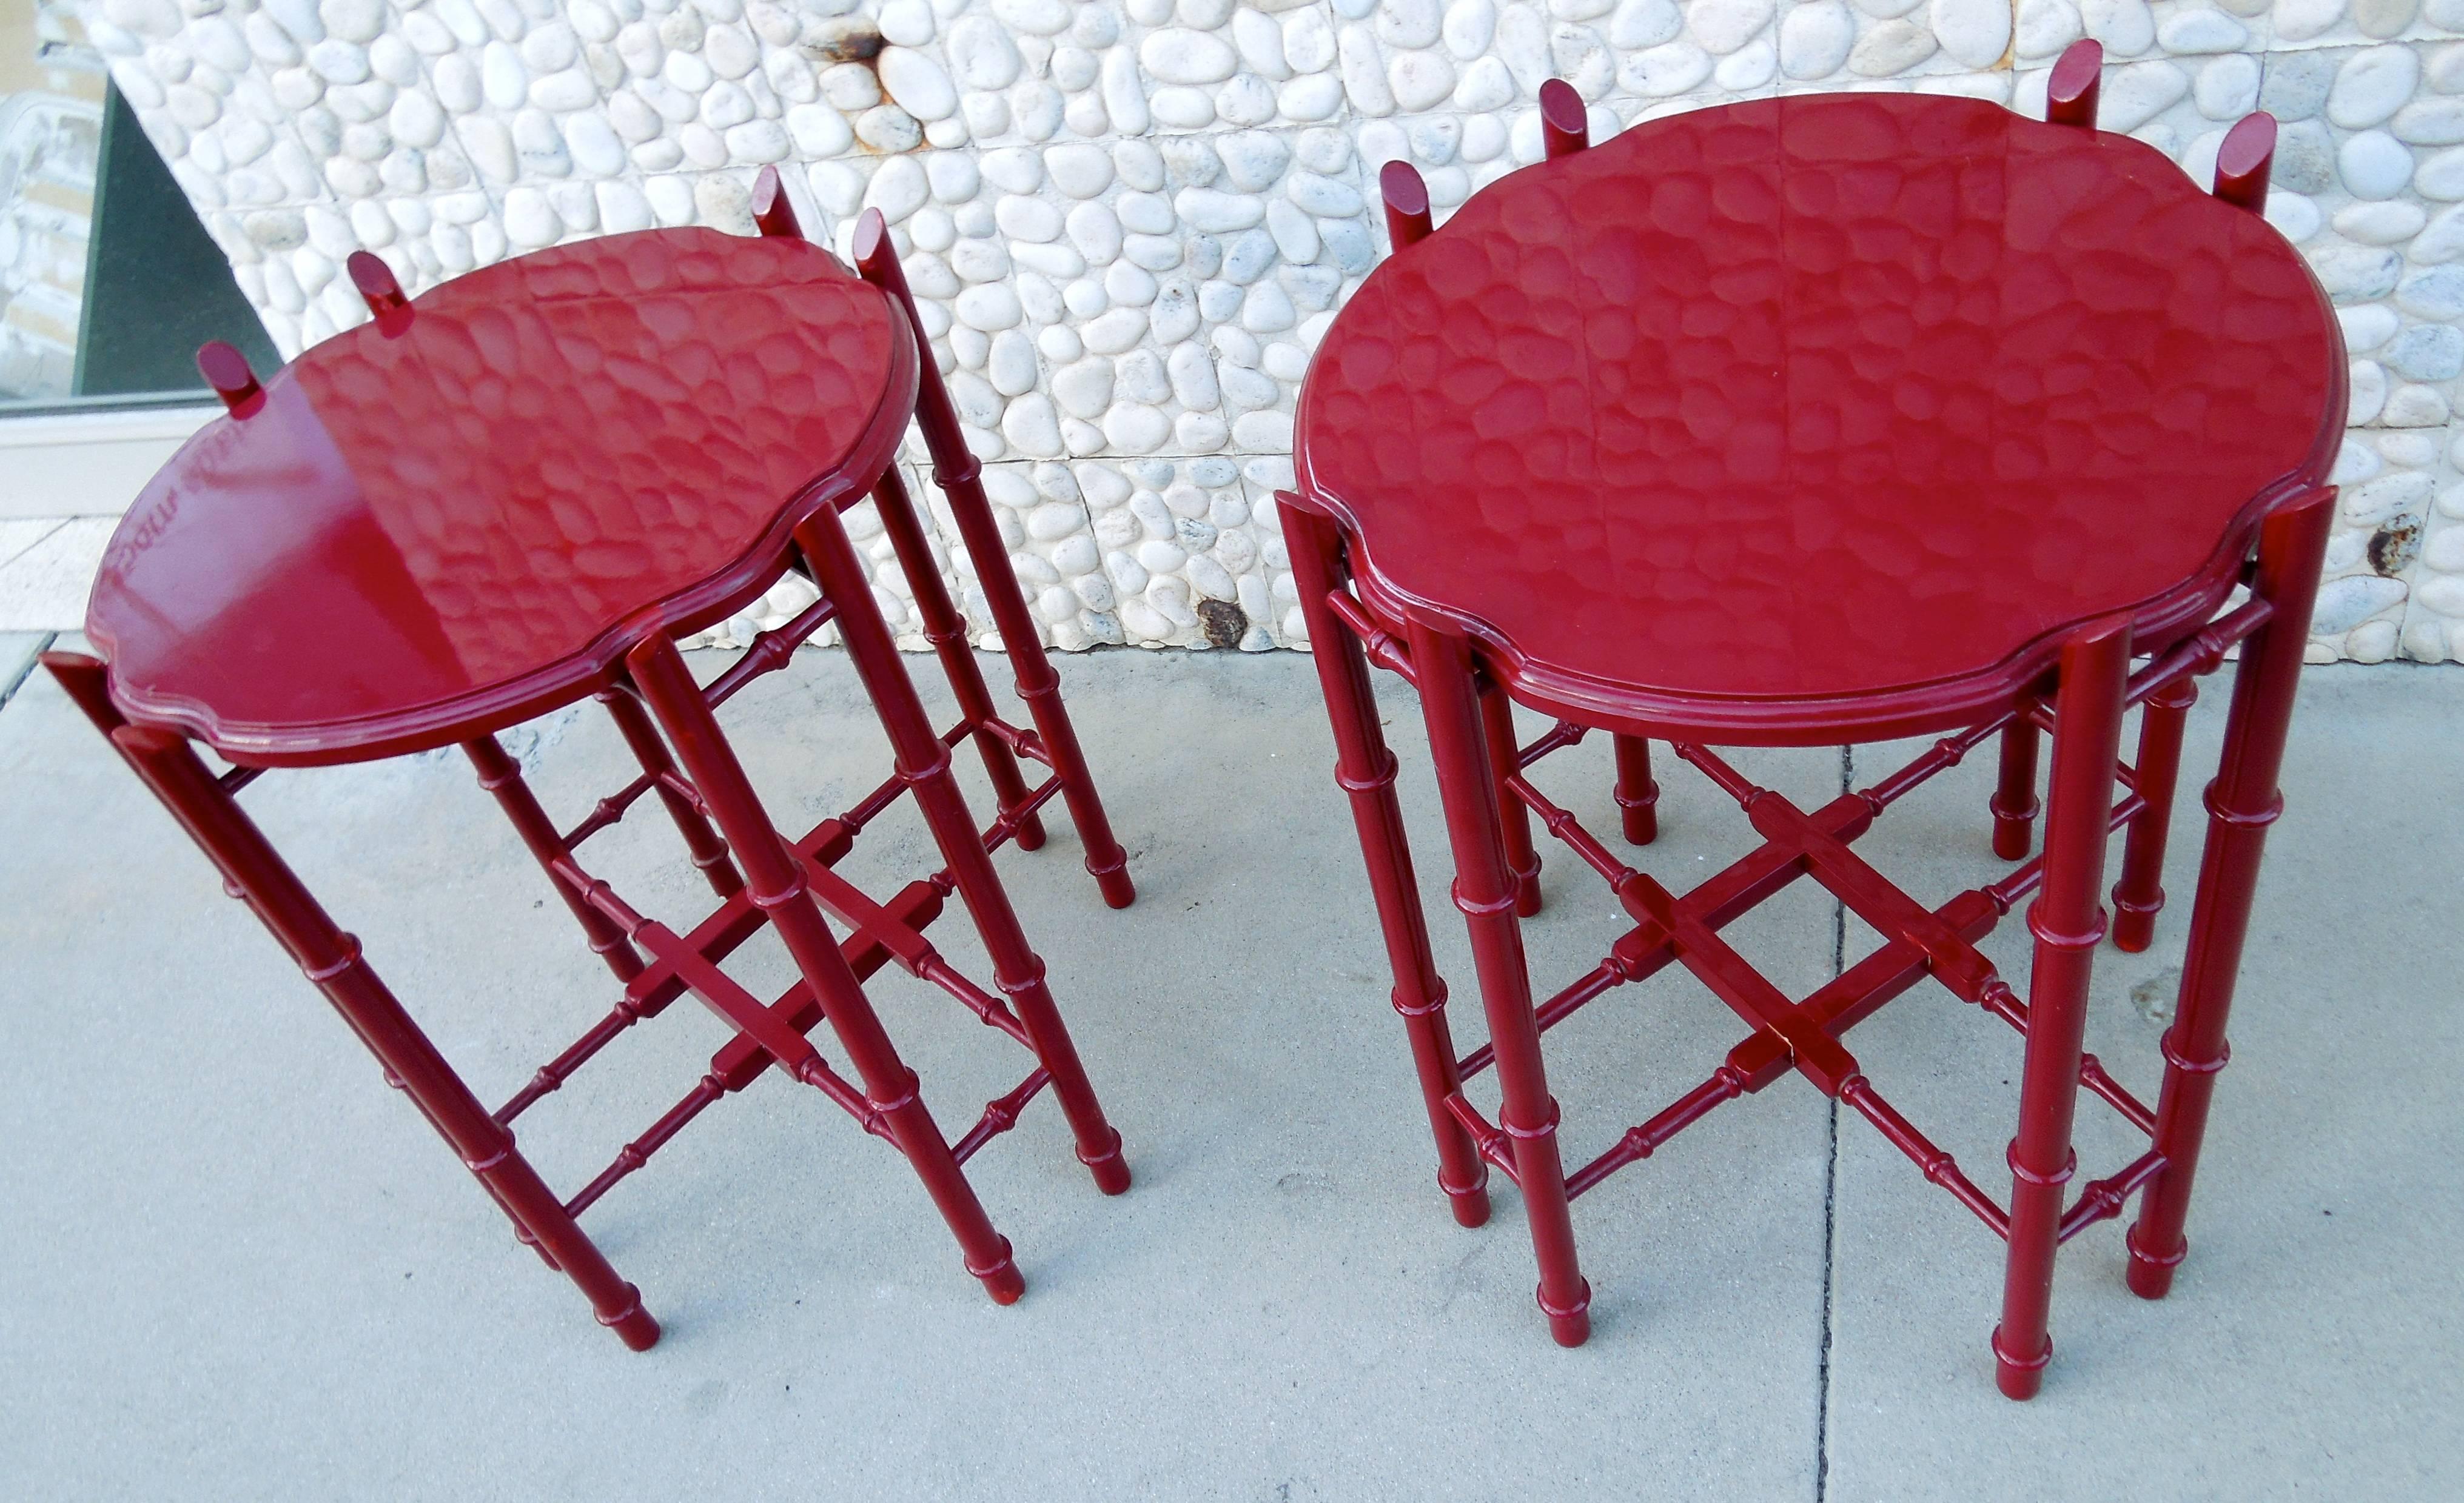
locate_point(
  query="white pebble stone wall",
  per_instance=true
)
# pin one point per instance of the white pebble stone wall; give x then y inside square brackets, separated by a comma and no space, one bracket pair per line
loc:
[1129,222]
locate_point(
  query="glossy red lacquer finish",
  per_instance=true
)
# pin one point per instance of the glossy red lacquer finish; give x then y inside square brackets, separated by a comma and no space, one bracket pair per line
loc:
[710,348]
[1819,416]
[446,521]
[1500,532]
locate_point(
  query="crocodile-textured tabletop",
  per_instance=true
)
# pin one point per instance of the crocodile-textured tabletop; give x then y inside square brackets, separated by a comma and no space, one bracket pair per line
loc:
[445,528]
[1819,398]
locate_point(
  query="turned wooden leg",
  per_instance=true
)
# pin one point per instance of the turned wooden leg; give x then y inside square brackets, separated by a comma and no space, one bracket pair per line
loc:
[2242,802]
[2067,923]
[1484,890]
[1364,768]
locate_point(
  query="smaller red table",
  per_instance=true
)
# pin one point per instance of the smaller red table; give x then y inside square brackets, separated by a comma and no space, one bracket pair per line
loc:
[1806,420]
[518,492]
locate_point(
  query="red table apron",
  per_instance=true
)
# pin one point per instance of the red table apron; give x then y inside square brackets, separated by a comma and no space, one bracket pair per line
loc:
[1810,420]
[517,493]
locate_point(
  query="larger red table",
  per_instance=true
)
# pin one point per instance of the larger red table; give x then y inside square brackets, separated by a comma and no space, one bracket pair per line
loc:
[1811,420]
[520,491]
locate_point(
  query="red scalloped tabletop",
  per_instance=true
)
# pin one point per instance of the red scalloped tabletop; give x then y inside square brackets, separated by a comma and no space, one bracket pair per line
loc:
[425,535]
[1819,412]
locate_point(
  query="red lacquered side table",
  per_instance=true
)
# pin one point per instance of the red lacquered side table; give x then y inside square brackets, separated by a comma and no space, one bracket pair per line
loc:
[1818,420]
[520,491]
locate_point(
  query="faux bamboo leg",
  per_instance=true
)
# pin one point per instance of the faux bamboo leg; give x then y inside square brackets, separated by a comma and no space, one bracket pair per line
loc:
[2242,802]
[1514,821]
[959,477]
[1364,768]
[83,678]
[1037,683]
[333,961]
[2140,894]
[924,764]
[2067,923]
[1484,889]
[947,632]
[1637,796]
[776,882]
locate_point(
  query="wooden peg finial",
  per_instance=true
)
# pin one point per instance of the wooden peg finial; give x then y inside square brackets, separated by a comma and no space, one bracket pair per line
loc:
[2244,161]
[378,290]
[876,258]
[772,213]
[1565,124]
[1407,204]
[226,370]
[2071,94]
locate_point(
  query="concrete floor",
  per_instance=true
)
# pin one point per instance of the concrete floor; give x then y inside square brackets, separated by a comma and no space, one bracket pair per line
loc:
[236,1266]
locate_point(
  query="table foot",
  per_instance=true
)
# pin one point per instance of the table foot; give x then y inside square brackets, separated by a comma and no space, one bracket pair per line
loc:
[2152,1277]
[2015,835]
[2014,804]
[1002,1281]
[1526,892]
[2020,1378]
[2134,923]
[1113,881]
[1112,1171]
[1570,1326]
[634,1327]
